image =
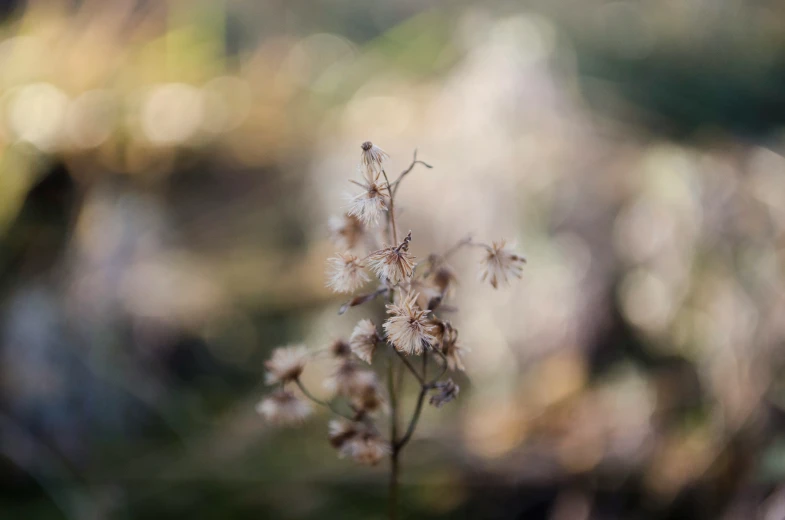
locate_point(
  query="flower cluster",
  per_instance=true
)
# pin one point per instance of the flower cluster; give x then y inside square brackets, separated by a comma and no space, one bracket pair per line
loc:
[416,293]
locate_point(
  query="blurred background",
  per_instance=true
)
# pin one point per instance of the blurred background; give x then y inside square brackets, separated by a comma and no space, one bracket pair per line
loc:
[167,169]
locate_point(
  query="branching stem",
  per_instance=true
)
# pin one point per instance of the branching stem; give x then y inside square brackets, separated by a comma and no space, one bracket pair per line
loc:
[395,389]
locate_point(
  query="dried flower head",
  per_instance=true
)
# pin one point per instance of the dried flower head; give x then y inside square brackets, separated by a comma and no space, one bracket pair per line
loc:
[343,380]
[340,349]
[283,408]
[446,391]
[393,263]
[449,345]
[286,364]
[363,340]
[369,205]
[371,159]
[366,448]
[409,329]
[500,264]
[443,278]
[346,232]
[434,287]
[365,393]
[340,431]
[345,273]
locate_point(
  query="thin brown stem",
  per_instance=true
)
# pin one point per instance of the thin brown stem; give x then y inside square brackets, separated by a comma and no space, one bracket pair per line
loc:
[463,242]
[392,209]
[399,382]
[394,475]
[434,260]
[409,366]
[393,437]
[393,391]
[445,366]
[363,298]
[413,422]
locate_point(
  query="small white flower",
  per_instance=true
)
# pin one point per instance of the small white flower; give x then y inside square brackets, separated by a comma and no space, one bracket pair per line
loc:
[345,273]
[286,364]
[283,408]
[408,329]
[500,264]
[394,264]
[372,159]
[363,340]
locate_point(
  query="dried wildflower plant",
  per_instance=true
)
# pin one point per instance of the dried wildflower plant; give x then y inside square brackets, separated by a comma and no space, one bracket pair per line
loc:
[416,293]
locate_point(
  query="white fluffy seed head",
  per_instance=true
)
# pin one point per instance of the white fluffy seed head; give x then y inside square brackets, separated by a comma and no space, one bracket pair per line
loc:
[500,264]
[370,204]
[346,232]
[393,264]
[345,273]
[408,327]
[286,364]
[366,449]
[283,408]
[363,340]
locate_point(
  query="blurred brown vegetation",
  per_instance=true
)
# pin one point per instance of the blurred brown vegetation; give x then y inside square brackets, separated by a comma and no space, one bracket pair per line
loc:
[166,173]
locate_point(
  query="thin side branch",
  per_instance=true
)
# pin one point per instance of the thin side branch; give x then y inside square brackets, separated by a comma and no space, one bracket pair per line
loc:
[445,367]
[318,401]
[407,171]
[409,366]
[363,298]
[466,241]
